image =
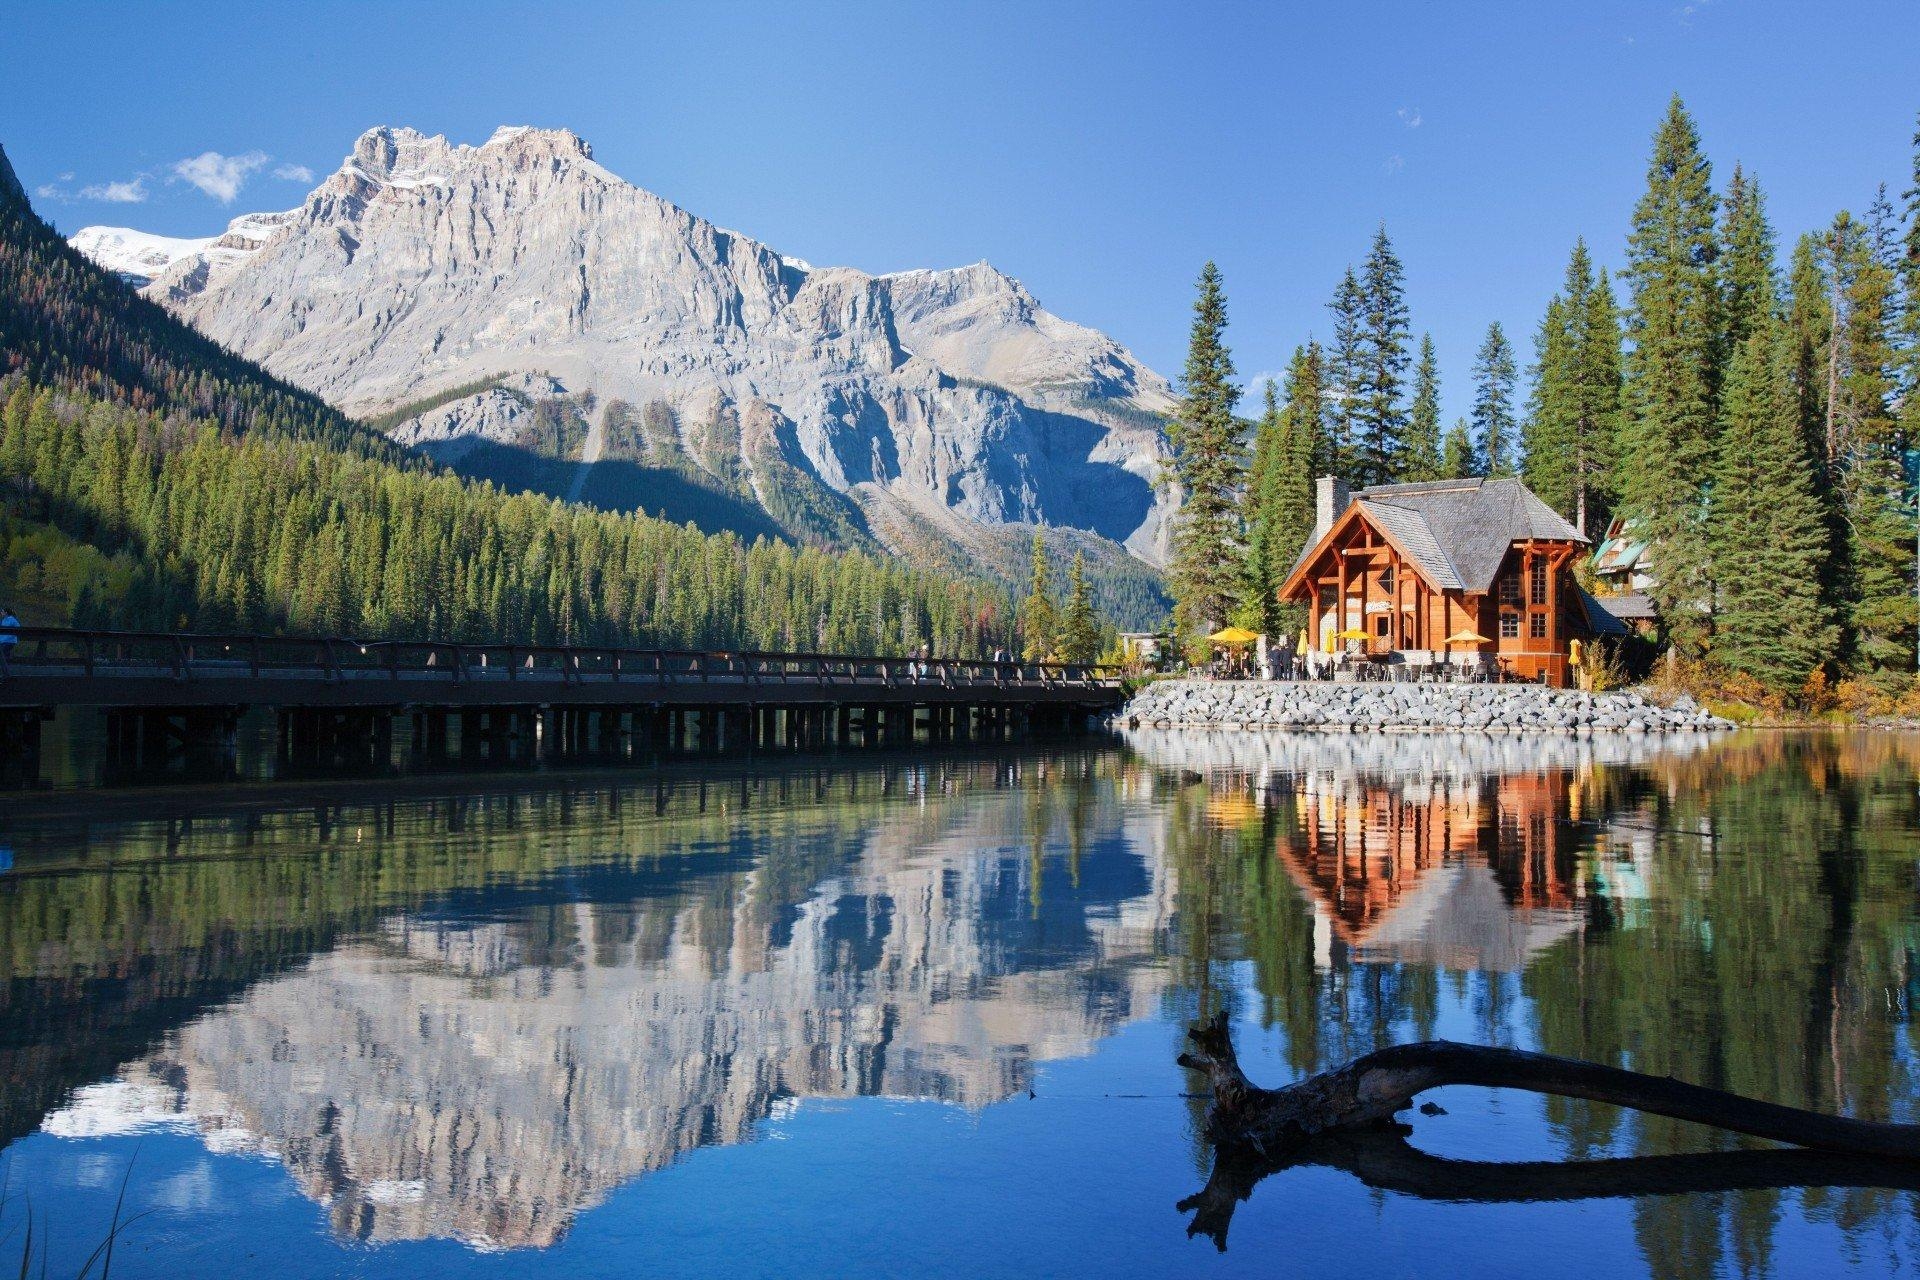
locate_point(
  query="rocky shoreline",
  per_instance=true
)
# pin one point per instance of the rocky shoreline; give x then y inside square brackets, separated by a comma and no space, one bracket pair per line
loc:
[1404,708]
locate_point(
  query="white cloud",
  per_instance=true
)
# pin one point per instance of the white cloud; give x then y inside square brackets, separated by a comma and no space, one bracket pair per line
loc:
[294,173]
[134,192]
[1253,390]
[219,176]
[1410,117]
[47,191]
[1395,164]
[67,176]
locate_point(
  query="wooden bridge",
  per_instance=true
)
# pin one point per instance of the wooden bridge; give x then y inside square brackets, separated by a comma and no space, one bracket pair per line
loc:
[166,695]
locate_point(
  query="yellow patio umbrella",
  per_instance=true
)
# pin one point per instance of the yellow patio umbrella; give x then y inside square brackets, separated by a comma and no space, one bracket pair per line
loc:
[1468,637]
[1353,633]
[1305,643]
[1234,635]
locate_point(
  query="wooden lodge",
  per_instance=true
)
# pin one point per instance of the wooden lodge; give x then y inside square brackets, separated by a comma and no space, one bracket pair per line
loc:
[1413,565]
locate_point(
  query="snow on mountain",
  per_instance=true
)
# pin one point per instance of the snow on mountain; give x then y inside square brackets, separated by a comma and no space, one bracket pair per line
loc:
[140,256]
[136,256]
[904,403]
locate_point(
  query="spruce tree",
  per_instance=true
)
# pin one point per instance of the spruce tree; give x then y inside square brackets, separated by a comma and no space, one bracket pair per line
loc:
[1421,460]
[1672,372]
[1767,532]
[1208,449]
[1864,450]
[1547,436]
[1380,418]
[1256,566]
[1039,619]
[1909,275]
[1494,374]
[1749,289]
[1301,456]
[1573,412]
[1345,375]
[1079,625]
[1458,458]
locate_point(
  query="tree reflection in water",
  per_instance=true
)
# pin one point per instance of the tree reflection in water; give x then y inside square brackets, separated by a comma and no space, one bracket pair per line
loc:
[473,1015]
[1741,917]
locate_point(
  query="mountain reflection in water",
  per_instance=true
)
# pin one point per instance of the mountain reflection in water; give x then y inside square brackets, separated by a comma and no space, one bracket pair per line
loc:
[475,1016]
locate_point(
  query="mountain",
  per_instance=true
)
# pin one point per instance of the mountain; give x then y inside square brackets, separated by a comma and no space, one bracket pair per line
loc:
[139,256]
[150,477]
[520,312]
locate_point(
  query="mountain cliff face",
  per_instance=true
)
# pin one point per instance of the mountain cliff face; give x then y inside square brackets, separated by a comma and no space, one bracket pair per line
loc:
[429,286]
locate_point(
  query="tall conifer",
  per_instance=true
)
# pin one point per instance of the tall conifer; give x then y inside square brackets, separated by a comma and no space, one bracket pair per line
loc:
[1345,376]
[1208,461]
[1458,457]
[1380,415]
[1766,528]
[1079,624]
[1672,371]
[1421,460]
[1494,375]
[1039,618]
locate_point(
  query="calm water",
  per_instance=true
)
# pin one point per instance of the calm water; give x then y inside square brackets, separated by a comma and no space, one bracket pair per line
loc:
[859,1019]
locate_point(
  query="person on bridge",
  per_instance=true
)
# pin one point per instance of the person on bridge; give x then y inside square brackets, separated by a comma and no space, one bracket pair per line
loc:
[9,637]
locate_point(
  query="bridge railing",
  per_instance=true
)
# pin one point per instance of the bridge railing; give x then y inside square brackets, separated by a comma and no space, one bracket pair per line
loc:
[184,656]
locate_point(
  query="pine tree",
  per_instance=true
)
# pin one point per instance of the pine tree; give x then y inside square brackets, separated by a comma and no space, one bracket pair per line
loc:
[1422,457]
[1551,407]
[1766,528]
[1380,419]
[1079,624]
[1345,374]
[1672,373]
[1039,620]
[1494,374]
[1749,291]
[1864,450]
[1280,493]
[1301,455]
[1257,583]
[1573,412]
[1458,458]
[1208,445]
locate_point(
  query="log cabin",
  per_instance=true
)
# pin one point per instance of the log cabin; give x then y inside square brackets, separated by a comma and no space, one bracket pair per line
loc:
[1411,565]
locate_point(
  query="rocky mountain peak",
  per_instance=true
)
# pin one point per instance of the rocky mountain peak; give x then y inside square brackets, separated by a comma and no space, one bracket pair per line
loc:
[915,406]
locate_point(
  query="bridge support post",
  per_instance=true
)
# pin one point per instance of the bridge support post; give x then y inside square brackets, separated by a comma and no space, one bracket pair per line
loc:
[20,746]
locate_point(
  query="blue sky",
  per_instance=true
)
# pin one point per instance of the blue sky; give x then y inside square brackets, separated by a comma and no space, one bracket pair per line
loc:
[1099,152]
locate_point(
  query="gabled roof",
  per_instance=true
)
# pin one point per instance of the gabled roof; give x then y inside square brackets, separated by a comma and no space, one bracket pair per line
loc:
[1458,531]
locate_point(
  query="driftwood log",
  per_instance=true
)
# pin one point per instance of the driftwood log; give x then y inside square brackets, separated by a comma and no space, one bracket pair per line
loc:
[1344,1119]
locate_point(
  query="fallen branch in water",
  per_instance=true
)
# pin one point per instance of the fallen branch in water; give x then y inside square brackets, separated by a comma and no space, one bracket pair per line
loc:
[1367,1092]
[1383,1159]
[1344,1119]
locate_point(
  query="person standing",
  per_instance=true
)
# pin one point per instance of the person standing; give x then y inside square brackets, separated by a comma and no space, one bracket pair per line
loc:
[9,637]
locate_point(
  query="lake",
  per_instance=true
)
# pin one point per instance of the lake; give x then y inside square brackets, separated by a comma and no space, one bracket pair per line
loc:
[912,1014]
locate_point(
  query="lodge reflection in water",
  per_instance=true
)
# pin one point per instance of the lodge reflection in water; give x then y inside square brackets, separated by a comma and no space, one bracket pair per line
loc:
[1461,873]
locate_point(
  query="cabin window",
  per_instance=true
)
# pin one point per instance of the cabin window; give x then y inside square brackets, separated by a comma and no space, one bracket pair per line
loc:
[1509,626]
[1538,626]
[1383,626]
[1539,584]
[1510,588]
[1386,579]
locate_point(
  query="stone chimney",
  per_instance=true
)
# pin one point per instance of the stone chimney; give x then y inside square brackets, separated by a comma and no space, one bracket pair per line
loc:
[1330,498]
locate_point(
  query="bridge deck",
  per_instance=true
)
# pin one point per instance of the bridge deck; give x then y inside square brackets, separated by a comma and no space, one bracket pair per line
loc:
[54,667]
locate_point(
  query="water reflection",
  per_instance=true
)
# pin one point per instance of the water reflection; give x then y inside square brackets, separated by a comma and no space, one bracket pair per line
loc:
[474,1016]
[484,1066]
